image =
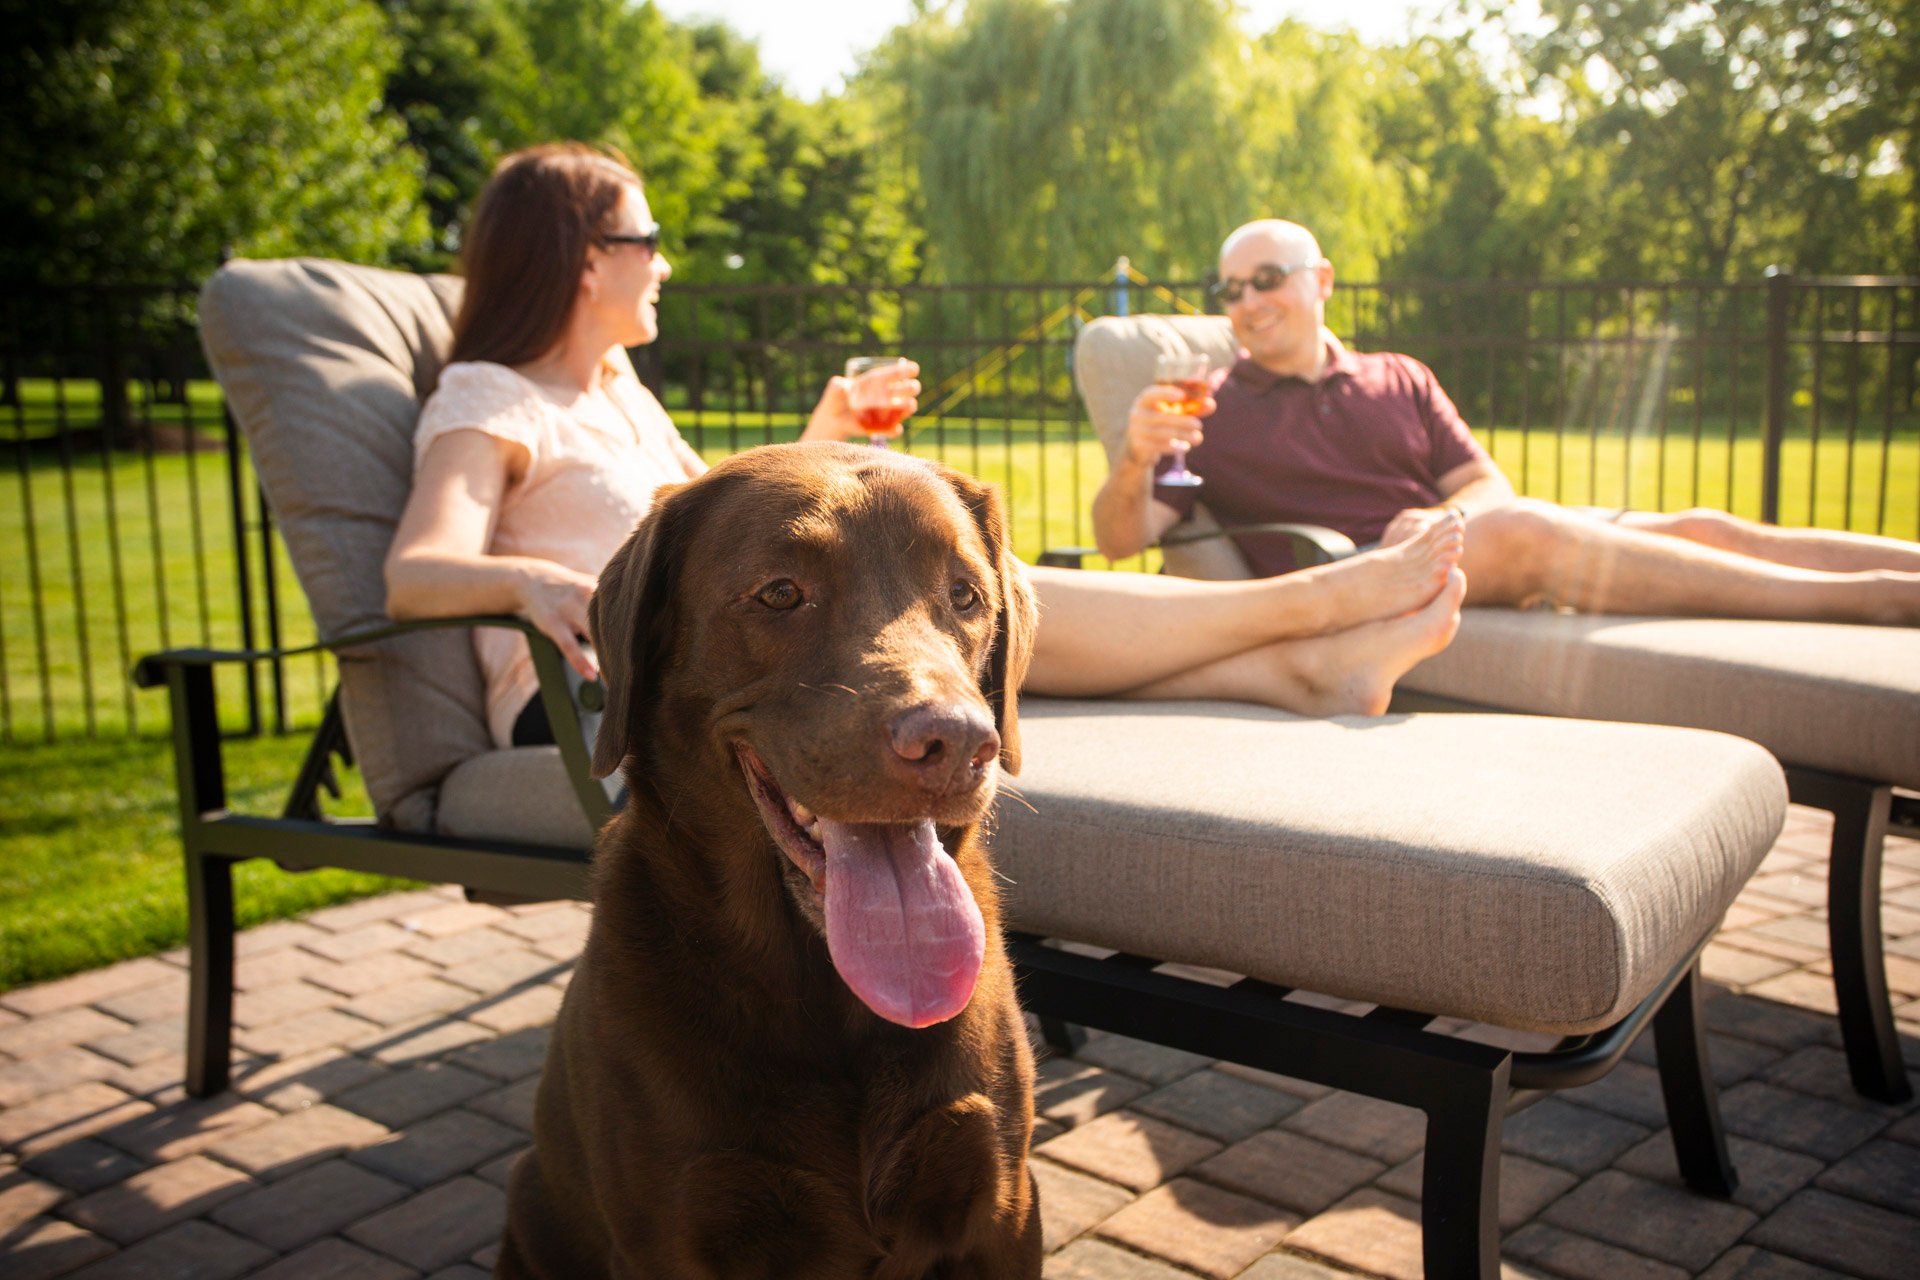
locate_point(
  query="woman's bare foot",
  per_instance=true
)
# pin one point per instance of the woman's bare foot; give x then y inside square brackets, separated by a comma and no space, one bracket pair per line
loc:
[1353,672]
[1387,582]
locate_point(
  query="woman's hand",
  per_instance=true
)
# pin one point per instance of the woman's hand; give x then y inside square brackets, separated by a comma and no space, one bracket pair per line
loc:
[833,417]
[554,598]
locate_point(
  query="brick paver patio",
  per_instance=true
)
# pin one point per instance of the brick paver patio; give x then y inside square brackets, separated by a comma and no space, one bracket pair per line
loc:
[393,1046]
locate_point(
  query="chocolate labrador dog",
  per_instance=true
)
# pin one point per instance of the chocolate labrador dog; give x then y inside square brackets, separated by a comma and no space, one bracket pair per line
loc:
[791,1047]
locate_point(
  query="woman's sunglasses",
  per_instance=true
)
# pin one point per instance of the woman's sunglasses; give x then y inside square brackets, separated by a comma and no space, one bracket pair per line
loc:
[648,239]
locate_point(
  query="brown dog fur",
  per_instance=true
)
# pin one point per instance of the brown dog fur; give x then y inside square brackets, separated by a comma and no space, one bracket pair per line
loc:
[716,1101]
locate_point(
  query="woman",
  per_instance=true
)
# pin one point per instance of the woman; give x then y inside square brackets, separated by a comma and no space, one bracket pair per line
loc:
[540,449]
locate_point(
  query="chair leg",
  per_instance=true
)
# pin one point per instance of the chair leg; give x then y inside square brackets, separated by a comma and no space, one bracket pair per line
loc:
[1460,1190]
[1062,1037]
[1693,1101]
[1853,930]
[210,975]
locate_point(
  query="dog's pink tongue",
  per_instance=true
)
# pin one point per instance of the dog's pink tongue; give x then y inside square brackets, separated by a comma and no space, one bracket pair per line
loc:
[902,927]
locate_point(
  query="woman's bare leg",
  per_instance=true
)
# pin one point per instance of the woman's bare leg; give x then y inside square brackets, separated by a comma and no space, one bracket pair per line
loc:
[1829,550]
[1104,633]
[1349,673]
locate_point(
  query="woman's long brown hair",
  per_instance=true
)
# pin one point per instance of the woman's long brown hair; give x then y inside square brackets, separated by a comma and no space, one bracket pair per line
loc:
[526,245]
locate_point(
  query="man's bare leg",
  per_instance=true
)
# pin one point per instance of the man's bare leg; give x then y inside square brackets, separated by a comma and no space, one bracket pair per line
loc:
[1529,550]
[1351,672]
[1829,550]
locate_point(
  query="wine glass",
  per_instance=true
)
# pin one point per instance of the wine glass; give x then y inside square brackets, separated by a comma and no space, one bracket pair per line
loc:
[874,397]
[1186,370]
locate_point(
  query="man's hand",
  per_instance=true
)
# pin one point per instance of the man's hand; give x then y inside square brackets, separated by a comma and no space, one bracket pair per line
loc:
[1152,430]
[1414,521]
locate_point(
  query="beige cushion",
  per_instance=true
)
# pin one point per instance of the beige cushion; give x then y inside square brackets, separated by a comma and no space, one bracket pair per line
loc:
[1112,360]
[325,365]
[1830,696]
[521,793]
[1534,873]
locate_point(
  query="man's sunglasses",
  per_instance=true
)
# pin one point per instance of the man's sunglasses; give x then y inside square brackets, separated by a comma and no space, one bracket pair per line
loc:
[648,239]
[1265,279]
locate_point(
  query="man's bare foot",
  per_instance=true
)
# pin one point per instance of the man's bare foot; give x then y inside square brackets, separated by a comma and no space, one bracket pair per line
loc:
[1389,581]
[1353,672]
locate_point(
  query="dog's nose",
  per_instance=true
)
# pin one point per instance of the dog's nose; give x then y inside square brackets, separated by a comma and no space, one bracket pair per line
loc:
[943,747]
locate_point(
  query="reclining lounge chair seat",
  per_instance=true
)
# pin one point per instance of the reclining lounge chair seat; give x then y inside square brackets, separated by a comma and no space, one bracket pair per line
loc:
[1837,705]
[1477,867]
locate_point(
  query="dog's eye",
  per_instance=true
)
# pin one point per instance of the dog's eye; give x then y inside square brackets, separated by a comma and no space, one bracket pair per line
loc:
[963,595]
[783,594]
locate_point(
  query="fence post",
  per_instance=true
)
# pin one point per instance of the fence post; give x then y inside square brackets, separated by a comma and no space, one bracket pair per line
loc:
[1122,272]
[1778,282]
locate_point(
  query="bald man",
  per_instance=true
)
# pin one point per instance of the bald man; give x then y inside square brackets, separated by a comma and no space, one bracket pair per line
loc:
[1303,429]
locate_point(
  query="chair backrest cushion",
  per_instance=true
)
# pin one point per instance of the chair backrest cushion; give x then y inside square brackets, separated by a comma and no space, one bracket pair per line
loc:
[325,365]
[1112,360]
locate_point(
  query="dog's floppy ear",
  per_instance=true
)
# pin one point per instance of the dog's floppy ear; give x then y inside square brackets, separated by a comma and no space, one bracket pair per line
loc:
[627,615]
[1016,619]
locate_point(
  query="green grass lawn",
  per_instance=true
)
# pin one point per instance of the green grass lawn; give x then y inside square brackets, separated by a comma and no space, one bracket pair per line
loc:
[90,865]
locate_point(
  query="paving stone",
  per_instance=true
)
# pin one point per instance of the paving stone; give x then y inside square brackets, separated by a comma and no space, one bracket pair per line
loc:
[347,916]
[45,1073]
[270,968]
[293,1084]
[265,1006]
[184,1127]
[1839,1231]
[1631,1091]
[24,1197]
[356,944]
[315,1202]
[566,919]
[335,1260]
[1748,1263]
[36,1002]
[1768,1175]
[450,1143]
[400,1098]
[190,1251]
[533,1007]
[1369,1231]
[436,1227]
[1787,1118]
[84,1165]
[164,999]
[414,1041]
[1288,1266]
[1306,1089]
[499,1169]
[1575,1256]
[145,1042]
[1153,1063]
[1076,1092]
[564,947]
[1071,1203]
[1097,1260]
[1201,1227]
[1882,1172]
[294,1141]
[461,948]
[1218,1105]
[1383,1130]
[46,1032]
[47,1247]
[1737,967]
[506,967]
[462,1271]
[409,1001]
[1650,1219]
[321,1029]
[275,935]
[449,918]
[1578,1138]
[1135,1151]
[56,1118]
[157,1198]
[1290,1170]
[362,977]
[508,1057]
[1822,1071]
[1526,1186]
[1800,988]
[512,1105]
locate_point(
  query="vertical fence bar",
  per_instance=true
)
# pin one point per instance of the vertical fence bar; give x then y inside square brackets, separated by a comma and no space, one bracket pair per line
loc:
[1778,282]
[242,575]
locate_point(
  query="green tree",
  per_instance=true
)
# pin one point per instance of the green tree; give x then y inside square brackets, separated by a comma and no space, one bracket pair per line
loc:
[144,137]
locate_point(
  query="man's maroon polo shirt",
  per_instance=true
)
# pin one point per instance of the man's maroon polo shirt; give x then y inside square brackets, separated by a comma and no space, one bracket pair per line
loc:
[1368,440]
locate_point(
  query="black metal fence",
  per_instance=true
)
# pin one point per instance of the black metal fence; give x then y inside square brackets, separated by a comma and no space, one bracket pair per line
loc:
[131,520]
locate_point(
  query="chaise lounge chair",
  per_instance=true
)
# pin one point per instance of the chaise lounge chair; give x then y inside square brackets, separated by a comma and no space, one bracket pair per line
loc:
[1414,867]
[1839,706]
